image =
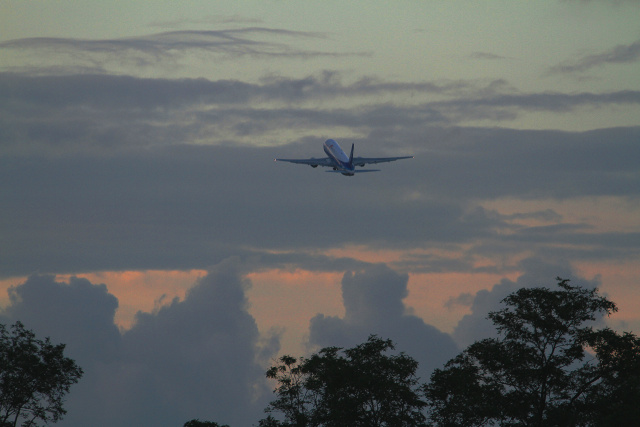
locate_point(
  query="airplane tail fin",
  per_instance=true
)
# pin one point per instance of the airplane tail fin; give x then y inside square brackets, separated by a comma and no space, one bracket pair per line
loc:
[351,155]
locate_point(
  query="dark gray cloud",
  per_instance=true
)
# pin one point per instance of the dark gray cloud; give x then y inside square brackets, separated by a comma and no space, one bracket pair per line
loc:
[620,54]
[558,102]
[190,206]
[198,358]
[127,93]
[200,354]
[78,313]
[373,305]
[65,114]
[104,172]
[62,114]
[486,56]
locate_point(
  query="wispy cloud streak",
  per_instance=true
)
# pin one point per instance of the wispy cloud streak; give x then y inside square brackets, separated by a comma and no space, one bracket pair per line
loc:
[621,54]
[162,48]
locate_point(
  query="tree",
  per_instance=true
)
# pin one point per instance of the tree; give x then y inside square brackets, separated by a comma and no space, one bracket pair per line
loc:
[34,378]
[548,366]
[198,423]
[614,398]
[361,386]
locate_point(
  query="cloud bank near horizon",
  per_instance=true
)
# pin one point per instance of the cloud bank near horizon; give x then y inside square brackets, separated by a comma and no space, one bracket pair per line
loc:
[203,356]
[373,300]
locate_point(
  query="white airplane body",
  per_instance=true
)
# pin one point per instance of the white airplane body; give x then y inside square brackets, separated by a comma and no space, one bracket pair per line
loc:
[340,162]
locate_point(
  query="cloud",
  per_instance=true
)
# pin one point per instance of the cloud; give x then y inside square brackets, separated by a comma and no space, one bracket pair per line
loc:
[198,358]
[107,172]
[204,357]
[486,56]
[537,272]
[121,92]
[620,54]
[373,305]
[172,208]
[102,113]
[165,48]
[77,313]
[209,20]
[232,41]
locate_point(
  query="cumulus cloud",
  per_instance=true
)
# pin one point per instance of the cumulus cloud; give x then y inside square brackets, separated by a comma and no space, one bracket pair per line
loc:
[373,305]
[78,313]
[537,272]
[198,358]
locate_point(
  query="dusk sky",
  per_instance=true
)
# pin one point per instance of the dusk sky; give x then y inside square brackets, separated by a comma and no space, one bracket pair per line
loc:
[144,223]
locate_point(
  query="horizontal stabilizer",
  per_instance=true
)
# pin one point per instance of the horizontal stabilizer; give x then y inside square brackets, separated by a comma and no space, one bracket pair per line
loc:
[357,171]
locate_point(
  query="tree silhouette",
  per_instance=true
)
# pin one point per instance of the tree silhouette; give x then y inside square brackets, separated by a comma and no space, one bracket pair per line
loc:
[34,378]
[198,423]
[548,366]
[361,386]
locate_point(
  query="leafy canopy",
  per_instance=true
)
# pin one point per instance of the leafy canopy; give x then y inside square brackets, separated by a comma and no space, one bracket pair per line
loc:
[197,423]
[547,367]
[360,386]
[34,378]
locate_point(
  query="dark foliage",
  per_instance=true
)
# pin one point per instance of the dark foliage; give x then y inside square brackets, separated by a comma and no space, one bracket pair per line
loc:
[34,378]
[548,367]
[198,423]
[361,386]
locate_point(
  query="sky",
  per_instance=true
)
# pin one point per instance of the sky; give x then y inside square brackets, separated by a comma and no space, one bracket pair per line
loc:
[145,224]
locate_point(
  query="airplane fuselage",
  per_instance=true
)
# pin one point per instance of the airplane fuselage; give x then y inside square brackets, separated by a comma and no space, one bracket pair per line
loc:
[342,162]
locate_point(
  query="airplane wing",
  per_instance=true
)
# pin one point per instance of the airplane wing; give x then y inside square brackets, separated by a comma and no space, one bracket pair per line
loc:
[361,161]
[312,162]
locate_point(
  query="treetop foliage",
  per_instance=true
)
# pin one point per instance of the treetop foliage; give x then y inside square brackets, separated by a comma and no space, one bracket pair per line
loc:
[547,367]
[360,386]
[198,423]
[34,378]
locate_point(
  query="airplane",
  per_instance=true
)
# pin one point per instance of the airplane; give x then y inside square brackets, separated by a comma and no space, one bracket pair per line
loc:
[340,162]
